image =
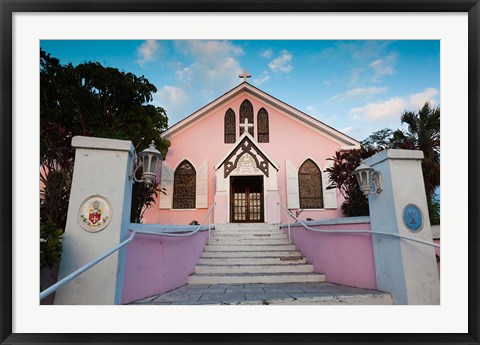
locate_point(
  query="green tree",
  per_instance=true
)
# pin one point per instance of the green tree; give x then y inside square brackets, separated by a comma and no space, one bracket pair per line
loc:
[423,133]
[341,177]
[91,100]
[381,139]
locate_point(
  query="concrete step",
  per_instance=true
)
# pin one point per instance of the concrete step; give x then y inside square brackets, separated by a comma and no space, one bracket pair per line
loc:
[245,226]
[299,268]
[247,231]
[246,254]
[233,241]
[265,278]
[251,253]
[250,235]
[253,261]
[247,248]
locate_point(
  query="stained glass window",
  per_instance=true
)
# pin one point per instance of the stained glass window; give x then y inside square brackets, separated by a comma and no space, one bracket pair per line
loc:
[246,112]
[310,185]
[229,127]
[184,185]
[262,123]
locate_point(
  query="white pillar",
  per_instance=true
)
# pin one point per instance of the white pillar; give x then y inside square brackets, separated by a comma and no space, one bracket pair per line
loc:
[101,173]
[406,269]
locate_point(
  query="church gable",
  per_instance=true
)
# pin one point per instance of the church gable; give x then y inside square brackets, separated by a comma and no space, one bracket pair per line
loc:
[234,107]
[246,157]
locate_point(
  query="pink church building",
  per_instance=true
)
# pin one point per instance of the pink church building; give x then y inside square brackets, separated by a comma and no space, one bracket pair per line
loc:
[246,151]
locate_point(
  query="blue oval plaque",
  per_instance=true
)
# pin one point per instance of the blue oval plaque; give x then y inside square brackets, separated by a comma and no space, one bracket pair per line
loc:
[412,217]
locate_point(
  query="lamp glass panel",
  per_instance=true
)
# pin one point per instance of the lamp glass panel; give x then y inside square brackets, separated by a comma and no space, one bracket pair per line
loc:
[146,163]
[364,178]
[153,164]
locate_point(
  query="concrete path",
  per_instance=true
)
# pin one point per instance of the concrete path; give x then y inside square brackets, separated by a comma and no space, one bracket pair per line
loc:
[286,294]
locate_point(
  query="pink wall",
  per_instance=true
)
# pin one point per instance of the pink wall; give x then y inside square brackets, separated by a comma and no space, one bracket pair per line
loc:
[289,139]
[344,259]
[157,264]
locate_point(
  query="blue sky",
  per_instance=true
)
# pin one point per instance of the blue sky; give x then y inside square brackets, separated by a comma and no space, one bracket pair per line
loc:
[354,86]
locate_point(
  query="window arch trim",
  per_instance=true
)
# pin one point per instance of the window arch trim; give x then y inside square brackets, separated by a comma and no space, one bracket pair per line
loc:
[184,186]
[246,111]
[310,185]
[230,127]
[263,129]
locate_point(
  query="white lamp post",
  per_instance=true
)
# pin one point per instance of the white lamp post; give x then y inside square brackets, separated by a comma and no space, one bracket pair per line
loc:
[149,159]
[368,179]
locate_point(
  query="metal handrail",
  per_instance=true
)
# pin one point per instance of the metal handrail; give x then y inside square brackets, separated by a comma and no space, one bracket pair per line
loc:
[353,231]
[95,261]
[149,232]
[82,269]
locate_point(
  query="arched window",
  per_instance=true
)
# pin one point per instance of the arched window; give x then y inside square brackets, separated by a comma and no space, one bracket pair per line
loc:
[246,112]
[184,186]
[229,127]
[262,126]
[310,185]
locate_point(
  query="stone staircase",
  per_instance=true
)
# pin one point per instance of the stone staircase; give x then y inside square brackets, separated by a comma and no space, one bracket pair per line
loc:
[252,253]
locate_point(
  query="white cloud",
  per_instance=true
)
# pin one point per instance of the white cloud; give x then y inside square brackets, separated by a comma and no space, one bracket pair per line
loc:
[184,73]
[282,63]
[206,50]
[394,106]
[263,79]
[384,66]
[172,96]
[390,108]
[147,52]
[417,100]
[313,110]
[346,129]
[356,50]
[175,101]
[357,93]
[215,64]
[355,75]
[267,54]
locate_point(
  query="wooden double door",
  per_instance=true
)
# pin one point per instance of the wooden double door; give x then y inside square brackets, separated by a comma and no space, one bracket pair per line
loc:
[246,199]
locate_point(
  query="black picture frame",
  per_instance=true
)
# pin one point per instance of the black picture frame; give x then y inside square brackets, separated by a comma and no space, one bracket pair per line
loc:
[8,7]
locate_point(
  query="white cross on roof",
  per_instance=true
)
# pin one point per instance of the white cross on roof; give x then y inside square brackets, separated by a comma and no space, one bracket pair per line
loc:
[244,75]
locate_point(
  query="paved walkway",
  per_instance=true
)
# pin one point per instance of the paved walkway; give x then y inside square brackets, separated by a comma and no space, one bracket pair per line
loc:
[288,293]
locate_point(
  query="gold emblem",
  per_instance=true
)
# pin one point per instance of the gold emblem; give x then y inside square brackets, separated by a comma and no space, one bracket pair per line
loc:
[95,213]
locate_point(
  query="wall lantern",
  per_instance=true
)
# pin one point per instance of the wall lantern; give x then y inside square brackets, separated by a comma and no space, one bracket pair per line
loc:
[369,180]
[149,159]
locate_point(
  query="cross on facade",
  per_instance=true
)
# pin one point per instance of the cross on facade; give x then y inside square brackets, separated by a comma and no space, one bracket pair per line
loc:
[244,75]
[246,125]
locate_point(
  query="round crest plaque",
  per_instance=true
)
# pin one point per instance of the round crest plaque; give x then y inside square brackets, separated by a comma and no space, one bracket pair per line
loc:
[95,213]
[413,217]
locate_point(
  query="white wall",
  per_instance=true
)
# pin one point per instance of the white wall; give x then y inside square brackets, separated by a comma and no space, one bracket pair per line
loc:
[101,168]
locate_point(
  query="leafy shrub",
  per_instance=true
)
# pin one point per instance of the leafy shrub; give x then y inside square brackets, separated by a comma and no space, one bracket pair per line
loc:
[341,177]
[433,209]
[50,244]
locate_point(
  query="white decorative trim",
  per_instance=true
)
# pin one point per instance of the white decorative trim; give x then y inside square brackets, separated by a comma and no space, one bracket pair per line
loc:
[291,173]
[201,193]
[329,195]
[166,182]
[257,147]
[293,197]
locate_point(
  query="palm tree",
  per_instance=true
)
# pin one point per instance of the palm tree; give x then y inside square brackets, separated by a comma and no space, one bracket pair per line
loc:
[423,134]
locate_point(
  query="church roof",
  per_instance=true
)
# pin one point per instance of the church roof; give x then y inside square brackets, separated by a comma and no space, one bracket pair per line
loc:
[343,139]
